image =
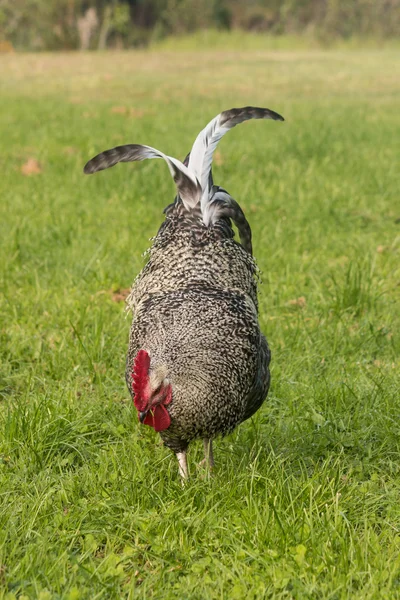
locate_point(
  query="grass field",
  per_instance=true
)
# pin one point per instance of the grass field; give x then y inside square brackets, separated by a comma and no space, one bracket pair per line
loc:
[305,499]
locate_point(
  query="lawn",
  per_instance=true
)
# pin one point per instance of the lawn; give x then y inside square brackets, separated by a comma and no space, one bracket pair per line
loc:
[304,502]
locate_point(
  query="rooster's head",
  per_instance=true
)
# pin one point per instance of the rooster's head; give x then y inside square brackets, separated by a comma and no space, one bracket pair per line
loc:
[152,392]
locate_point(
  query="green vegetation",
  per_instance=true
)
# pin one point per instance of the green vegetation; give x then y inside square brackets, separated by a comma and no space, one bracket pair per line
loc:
[244,40]
[304,502]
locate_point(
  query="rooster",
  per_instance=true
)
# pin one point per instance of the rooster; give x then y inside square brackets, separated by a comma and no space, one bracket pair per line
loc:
[197,363]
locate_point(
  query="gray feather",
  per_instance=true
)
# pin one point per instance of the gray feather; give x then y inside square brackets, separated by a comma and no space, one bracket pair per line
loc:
[187,186]
[222,205]
[203,148]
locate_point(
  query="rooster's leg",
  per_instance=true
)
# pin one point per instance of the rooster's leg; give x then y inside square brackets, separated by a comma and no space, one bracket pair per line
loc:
[183,469]
[208,453]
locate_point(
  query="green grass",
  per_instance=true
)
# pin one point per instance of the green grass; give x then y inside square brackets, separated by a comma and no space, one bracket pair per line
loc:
[305,500]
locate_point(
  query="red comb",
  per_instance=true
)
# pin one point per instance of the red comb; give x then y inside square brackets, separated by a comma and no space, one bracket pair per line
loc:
[140,376]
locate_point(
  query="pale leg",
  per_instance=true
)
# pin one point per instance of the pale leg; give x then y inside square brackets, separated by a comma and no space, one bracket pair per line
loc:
[183,469]
[208,453]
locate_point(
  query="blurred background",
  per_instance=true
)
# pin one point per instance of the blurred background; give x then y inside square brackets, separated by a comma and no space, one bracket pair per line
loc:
[100,24]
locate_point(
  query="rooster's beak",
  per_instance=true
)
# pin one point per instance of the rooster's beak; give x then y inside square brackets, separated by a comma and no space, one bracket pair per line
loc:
[142,416]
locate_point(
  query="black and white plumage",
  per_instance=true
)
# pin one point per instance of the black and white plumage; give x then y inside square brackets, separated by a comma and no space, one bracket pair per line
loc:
[197,364]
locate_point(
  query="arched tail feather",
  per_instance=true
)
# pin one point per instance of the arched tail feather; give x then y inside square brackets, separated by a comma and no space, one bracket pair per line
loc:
[201,155]
[223,205]
[188,187]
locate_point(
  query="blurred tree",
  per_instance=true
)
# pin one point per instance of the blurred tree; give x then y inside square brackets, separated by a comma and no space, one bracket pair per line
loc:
[87,25]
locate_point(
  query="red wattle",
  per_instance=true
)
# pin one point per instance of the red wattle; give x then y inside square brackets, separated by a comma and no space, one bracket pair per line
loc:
[162,420]
[149,419]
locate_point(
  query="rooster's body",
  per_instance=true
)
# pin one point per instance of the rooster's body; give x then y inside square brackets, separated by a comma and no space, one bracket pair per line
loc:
[197,362]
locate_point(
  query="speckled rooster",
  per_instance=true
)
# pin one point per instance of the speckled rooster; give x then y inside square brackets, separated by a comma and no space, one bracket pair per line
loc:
[197,362]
